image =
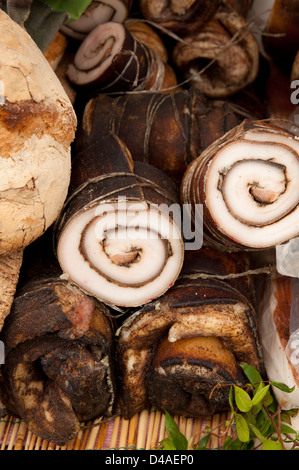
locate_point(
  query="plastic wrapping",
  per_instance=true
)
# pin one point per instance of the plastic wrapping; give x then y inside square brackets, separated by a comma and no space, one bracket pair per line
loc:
[280,360]
[287,258]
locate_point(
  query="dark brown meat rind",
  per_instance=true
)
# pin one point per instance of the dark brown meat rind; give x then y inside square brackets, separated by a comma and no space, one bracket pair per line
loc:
[167,131]
[222,57]
[158,365]
[180,17]
[58,369]
[256,138]
[104,173]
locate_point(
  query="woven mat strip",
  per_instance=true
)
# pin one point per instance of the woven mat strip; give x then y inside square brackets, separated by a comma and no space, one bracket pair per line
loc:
[143,431]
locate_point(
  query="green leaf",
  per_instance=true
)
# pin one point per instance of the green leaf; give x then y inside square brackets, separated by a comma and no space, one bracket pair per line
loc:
[286,415]
[272,445]
[227,445]
[268,400]
[178,439]
[251,373]
[231,400]
[167,444]
[273,406]
[242,428]
[285,429]
[267,428]
[258,405]
[242,399]
[283,387]
[264,423]
[257,433]
[260,394]
[74,8]
[257,408]
[203,443]
[250,417]
[236,444]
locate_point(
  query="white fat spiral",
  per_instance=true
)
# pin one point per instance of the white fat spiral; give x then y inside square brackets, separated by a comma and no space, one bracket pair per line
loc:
[124,254]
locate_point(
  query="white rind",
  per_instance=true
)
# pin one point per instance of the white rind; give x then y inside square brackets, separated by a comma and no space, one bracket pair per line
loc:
[37,126]
[238,215]
[32,190]
[96,53]
[276,362]
[113,284]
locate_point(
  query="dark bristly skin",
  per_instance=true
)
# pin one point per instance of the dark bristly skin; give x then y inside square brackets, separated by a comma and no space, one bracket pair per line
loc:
[222,57]
[194,183]
[179,17]
[102,173]
[166,131]
[55,341]
[242,7]
[281,36]
[132,68]
[109,156]
[295,68]
[212,336]
[97,12]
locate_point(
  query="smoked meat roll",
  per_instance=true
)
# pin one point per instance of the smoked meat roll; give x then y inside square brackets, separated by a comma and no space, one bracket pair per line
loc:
[281,361]
[167,131]
[97,12]
[221,58]
[242,7]
[179,16]
[111,59]
[177,351]
[117,238]
[295,68]
[146,34]
[247,183]
[281,33]
[165,80]
[58,369]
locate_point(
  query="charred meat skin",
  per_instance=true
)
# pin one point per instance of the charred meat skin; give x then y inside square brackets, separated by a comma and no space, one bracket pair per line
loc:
[179,17]
[111,59]
[249,198]
[221,58]
[190,340]
[116,239]
[58,369]
[167,131]
[97,12]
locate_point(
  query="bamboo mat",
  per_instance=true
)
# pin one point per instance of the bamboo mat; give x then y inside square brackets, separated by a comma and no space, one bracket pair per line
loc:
[142,432]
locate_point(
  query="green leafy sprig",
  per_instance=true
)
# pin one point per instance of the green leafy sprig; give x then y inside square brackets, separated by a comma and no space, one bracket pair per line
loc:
[74,8]
[256,421]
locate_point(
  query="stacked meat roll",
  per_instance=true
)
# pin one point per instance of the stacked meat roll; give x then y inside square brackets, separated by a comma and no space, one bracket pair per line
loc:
[115,311]
[166,130]
[247,184]
[181,351]
[117,238]
[58,370]
[220,58]
[98,12]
